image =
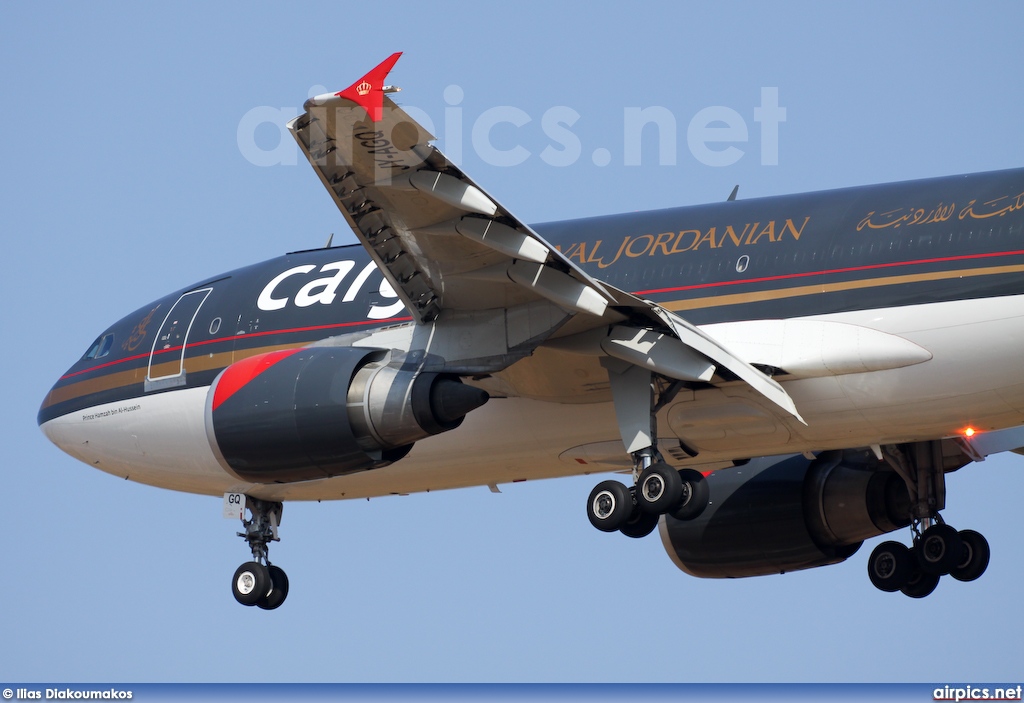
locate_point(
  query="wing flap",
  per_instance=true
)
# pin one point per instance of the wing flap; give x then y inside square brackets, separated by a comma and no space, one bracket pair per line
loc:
[705,344]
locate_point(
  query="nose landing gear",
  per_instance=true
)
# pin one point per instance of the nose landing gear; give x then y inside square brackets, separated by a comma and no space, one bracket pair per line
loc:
[258,582]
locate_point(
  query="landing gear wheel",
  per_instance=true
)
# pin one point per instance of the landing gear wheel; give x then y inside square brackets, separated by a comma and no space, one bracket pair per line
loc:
[609,506]
[920,583]
[639,524]
[251,583]
[890,566]
[696,494]
[278,589]
[975,556]
[659,489]
[940,550]
[256,582]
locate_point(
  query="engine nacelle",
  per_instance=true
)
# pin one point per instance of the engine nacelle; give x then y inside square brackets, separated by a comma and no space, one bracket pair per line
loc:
[318,412]
[771,516]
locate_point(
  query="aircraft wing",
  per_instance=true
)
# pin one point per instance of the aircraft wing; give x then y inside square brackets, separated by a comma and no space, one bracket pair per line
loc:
[442,242]
[448,247]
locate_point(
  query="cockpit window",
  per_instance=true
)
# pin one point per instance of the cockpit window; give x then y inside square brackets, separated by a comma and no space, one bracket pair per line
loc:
[101,347]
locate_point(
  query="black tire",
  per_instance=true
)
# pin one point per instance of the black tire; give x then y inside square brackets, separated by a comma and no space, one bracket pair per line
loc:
[609,506]
[250,583]
[659,489]
[890,566]
[920,584]
[695,497]
[975,556]
[939,550]
[278,589]
[639,524]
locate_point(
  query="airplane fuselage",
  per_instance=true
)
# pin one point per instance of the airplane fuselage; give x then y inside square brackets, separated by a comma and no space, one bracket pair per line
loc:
[934,267]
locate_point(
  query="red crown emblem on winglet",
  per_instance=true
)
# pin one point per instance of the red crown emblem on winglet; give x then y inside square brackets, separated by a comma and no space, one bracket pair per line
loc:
[368,92]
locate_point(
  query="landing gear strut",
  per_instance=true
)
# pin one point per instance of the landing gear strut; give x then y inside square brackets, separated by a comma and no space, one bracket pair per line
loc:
[938,549]
[258,582]
[658,488]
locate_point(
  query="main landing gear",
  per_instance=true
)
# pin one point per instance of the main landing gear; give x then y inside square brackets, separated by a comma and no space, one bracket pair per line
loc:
[658,489]
[258,582]
[937,548]
[937,551]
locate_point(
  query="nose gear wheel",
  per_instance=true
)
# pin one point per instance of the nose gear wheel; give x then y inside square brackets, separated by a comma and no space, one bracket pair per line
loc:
[258,582]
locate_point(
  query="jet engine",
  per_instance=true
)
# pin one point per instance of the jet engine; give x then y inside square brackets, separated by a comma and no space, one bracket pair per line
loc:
[777,514]
[318,412]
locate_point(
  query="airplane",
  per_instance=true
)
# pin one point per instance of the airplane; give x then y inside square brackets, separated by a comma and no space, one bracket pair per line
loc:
[778,379]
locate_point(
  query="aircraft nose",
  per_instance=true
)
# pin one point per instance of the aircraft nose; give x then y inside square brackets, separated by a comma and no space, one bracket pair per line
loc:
[47,427]
[56,406]
[46,408]
[74,416]
[79,384]
[64,404]
[52,423]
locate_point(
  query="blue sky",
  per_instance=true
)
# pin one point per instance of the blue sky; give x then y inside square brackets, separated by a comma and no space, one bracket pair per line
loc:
[125,179]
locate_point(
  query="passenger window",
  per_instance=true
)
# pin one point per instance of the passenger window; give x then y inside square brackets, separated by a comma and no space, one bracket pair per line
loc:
[101,347]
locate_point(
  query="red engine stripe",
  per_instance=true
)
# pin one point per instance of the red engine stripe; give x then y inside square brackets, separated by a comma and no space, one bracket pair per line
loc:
[241,372]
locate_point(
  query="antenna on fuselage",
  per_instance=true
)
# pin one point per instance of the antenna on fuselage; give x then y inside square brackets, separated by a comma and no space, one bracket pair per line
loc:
[331,239]
[732,195]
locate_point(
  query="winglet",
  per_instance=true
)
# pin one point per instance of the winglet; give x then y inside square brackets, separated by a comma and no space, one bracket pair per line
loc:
[368,91]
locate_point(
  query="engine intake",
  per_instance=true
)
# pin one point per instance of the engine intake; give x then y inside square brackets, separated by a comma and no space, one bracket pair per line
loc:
[775,515]
[319,412]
